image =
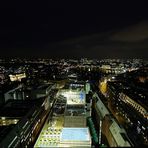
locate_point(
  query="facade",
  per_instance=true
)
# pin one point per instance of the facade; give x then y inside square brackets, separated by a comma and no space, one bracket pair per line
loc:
[132,109]
[26,121]
[115,135]
[108,126]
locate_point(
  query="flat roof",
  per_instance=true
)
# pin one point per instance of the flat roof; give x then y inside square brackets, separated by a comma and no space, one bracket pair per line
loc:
[75,134]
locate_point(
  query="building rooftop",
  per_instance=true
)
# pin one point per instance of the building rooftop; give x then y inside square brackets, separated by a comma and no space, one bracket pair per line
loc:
[75,134]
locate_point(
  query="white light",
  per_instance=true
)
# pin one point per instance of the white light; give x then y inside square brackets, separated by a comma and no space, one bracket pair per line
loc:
[143,128]
[3,118]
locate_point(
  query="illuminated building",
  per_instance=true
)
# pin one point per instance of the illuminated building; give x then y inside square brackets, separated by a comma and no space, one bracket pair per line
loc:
[116,135]
[67,116]
[108,126]
[103,86]
[125,98]
[130,105]
[75,112]
[17,77]
[21,121]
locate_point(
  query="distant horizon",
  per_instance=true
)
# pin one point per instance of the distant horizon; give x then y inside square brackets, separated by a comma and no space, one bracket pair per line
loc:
[78,58]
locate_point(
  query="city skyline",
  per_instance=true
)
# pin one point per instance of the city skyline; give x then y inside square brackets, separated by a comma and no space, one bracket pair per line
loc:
[73,102]
[73,74]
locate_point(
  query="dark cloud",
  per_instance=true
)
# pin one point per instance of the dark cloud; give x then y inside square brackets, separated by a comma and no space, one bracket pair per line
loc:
[47,30]
[130,44]
[134,33]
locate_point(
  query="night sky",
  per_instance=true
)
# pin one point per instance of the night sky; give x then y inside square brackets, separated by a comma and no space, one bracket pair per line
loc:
[102,30]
